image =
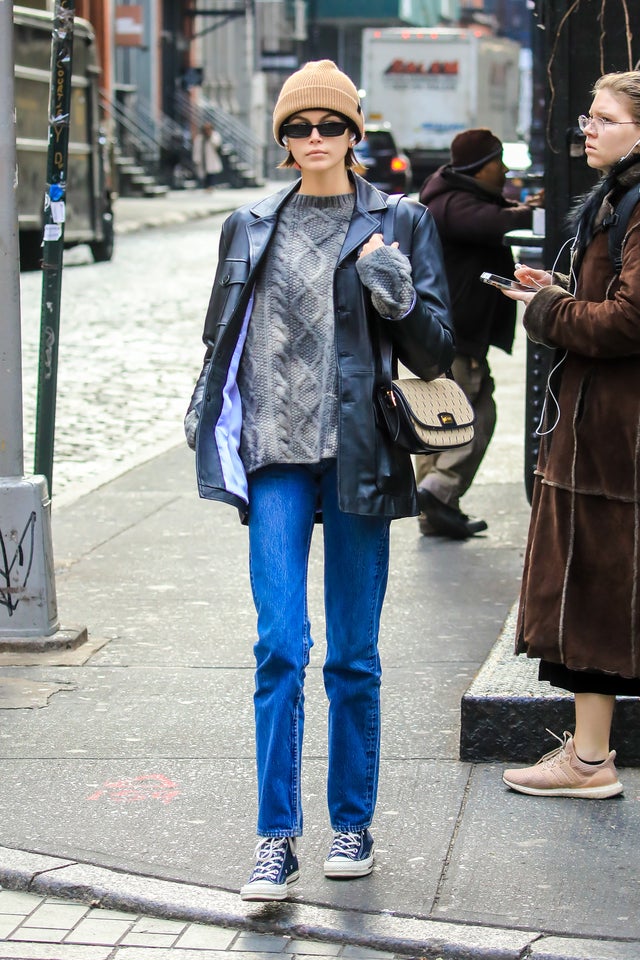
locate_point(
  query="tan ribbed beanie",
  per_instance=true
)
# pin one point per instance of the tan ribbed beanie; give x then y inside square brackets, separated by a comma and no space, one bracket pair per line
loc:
[318,85]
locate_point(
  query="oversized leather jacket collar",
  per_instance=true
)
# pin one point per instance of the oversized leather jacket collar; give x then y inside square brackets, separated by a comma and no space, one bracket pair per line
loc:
[374,477]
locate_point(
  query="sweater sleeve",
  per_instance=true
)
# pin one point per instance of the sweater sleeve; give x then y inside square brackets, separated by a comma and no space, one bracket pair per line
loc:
[387,274]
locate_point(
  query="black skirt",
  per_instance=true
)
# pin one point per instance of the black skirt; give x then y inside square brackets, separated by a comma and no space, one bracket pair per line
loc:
[588,681]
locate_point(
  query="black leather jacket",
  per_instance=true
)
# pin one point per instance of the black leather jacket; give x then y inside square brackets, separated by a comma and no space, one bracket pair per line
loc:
[374,477]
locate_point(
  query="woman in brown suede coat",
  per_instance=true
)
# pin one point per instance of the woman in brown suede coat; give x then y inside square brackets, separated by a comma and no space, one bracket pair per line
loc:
[579,605]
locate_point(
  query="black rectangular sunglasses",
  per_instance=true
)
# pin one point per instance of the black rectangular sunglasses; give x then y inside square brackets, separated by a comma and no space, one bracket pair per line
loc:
[302,129]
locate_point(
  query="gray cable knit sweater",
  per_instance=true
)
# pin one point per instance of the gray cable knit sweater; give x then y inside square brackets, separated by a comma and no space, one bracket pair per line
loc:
[288,376]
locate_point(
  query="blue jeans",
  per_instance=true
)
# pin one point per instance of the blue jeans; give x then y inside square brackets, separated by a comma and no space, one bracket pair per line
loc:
[283,502]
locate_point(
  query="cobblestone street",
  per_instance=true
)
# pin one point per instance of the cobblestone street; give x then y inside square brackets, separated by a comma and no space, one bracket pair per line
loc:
[129,349]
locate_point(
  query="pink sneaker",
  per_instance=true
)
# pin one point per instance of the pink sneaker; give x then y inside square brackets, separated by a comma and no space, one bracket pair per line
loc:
[561,773]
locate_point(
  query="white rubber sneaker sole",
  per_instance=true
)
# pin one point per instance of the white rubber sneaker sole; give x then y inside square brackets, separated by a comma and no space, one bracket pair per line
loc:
[341,868]
[264,890]
[584,793]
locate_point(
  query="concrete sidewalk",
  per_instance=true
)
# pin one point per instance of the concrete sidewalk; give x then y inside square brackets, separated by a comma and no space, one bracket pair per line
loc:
[129,784]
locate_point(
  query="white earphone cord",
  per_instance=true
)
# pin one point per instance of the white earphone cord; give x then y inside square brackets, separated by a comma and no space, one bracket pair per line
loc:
[548,391]
[630,150]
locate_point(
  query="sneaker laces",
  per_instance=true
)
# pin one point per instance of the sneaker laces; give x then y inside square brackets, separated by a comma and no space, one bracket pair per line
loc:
[345,845]
[270,854]
[555,755]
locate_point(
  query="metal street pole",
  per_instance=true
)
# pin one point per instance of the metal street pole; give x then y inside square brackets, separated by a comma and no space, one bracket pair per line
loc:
[27,589]
[55,203]
[11,435]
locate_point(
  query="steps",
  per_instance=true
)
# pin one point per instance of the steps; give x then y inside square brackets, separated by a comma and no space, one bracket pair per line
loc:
[134,181]
[235,172]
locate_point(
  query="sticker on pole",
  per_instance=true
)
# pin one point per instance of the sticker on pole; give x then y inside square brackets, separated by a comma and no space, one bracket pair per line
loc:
[52,231]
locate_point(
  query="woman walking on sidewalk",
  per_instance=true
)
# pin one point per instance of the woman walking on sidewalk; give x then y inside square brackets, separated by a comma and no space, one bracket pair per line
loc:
[579,609]
[283,424]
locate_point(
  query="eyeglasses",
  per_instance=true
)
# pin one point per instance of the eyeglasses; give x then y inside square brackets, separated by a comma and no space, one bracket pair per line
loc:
[304,129]
[600,123]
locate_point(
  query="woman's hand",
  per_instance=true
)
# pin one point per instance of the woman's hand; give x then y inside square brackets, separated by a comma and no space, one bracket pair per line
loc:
[533,278]
[375,241]
[525,296]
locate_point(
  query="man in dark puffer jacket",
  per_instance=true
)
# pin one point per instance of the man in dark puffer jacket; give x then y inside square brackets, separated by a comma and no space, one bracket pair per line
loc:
[465,200]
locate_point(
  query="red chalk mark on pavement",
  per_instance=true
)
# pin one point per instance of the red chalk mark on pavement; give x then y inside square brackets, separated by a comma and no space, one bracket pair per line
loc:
[148,786]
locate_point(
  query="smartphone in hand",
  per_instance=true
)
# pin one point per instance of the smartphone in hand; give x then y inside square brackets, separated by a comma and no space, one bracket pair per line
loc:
[503,283]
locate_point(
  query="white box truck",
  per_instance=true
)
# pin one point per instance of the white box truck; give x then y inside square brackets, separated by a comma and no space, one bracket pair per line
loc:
[431,83]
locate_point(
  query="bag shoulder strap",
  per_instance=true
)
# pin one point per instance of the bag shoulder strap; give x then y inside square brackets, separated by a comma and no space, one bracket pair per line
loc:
[619,223]
[388,226]
[385,349]
[388,236]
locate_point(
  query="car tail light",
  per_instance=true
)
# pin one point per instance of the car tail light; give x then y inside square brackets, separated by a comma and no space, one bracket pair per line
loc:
[398,165]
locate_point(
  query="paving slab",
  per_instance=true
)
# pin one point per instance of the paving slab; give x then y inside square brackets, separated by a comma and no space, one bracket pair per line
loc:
[173,835]
[52,951]
[17,693]
[561,948]
[56,915]
[512,853]
[104,711]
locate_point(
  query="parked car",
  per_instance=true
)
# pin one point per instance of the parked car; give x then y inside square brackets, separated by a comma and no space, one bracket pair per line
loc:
[387,168]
